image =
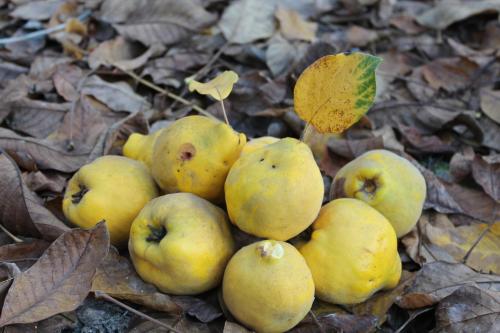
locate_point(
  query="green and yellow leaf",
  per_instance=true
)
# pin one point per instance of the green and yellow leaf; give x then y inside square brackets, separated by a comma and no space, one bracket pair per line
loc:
[219,88]
[336,91]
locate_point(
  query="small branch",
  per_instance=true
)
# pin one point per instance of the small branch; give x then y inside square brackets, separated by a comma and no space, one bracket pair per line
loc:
[412,316]
[14,238]
[103,295]
[485,231]
[316,321]
[166,92]
[40,33]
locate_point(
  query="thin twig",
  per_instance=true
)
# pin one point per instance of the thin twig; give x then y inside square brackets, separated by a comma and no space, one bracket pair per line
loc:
[100,294]
[485,231]
[166,93]
[40,33]
[316,321]
[14,238]
[412,316]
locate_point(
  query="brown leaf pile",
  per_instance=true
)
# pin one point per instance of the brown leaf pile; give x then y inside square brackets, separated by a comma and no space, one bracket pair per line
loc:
[76,94]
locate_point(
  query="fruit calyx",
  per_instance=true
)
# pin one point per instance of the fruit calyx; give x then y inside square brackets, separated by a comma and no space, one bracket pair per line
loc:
[78,196]
[186,152]
[269,250]
[157,233]
[369,186]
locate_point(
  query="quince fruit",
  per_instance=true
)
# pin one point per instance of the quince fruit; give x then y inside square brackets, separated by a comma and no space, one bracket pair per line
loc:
[194,155]
[268,287]
[257,143]
[140,147]
[388,183]
[181,243]
[352,252]
[275,191]
[111,188]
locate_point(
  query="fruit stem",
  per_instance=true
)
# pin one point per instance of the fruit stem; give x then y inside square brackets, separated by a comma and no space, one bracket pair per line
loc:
[156,234]
[268,250]
[78,196]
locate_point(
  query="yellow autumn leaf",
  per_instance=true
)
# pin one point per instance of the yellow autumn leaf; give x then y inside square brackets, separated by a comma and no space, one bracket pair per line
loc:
[336,90]
[219,88]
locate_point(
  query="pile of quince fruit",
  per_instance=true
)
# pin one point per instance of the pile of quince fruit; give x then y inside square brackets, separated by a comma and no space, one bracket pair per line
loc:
[271,188]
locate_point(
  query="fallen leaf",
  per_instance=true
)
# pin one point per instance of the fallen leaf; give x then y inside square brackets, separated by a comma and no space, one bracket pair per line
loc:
[21,211]
[448,243]
[407,24]
[450,74]
[60,280]
[293,26]
[359,36]
[46,155]
[335,91]
[204,309]
[9,71]
[438,280]
[117,277]
[486,172]
[490,99]
[25,254]
[280,56]
[469,309]
[156,21]
[313,53]
[36,10]
[461,164]
[218,88]
[118,96]
[448,12]
[245,21]
[49,181]
[338,322]
[66,80]
[230,327]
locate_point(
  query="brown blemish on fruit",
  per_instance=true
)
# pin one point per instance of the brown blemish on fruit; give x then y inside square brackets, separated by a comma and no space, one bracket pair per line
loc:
[337,189]
[78,196]
[186,152]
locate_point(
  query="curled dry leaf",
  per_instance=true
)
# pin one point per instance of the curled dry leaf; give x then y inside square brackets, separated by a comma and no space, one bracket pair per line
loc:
[117,277]
[218,88]
[23,254]
[439,279]
[486,172]
[450,74]
[469,309]
[336,91]
[293,26]
[60,280]
[21,211]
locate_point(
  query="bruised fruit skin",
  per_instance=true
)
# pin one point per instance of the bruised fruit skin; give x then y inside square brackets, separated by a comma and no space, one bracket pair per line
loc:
[140,147]
[388,183]
[352,252]
[276,191]
[268,287]
[194,155]
[181,243]
[257,143]
[111,188]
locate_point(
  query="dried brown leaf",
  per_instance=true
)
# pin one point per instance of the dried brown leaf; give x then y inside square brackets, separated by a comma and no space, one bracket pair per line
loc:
[490,100]
[37,10]
[438,280]
[60,280]
[486,172]
[49,181]
[117,277]
[23,254]
[21,211]
[66,79]
[450,74]
[156,21]
[359,36]
[293,26]
[469,309]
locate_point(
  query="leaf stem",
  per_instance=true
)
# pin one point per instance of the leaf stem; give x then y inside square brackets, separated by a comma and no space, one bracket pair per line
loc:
[166,92]
[100,294]
[483,233]
[14,238]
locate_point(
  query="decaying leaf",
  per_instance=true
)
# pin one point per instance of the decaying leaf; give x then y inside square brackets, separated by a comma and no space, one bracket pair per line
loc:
[21,211]
[218,88]
[469,309]
[336,90]
[60,280]
[117,277]
[437,280]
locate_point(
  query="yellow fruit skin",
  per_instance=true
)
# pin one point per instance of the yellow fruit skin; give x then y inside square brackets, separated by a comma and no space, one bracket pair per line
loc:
[192,255]
[118,188]
[257,143]
[352,252]
[140,147]
[276,191]
[265,293]
[194,155]
[393,186]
